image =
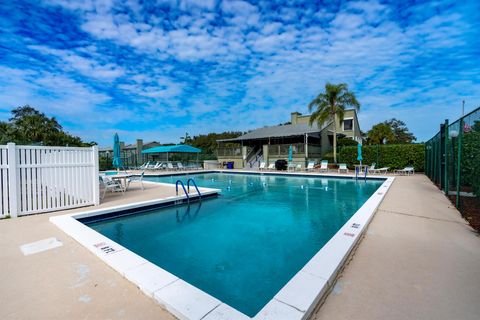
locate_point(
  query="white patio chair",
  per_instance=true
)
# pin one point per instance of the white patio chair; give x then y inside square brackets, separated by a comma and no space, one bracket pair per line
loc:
[342,167]
[298,167]
[136,178]
[372,167]
[110,185]
[262,166]
[170,166]
[324,166]
[311,166]
[291,167]
[180,166]
[271,166]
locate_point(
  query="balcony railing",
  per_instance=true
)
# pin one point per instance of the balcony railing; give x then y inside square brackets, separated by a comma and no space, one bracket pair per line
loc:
[230,152]
[298,149]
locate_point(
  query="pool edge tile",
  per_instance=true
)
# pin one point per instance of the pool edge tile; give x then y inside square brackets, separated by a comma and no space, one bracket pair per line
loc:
[186,301]
[150,278]
[303,291]
[277,310]
[225,312]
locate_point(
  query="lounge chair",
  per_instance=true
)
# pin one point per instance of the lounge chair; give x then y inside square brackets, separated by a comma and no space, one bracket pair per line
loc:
[152,166]
[144,166]
[380,170]
[196,166]
[324,166]
[170,166]
[405,171]
[298,167]
[157,166]
[136,178]
[109,184]
[262,166]
[271,166]
[342,167]
[372,167]
[180,166]
[311,166]
[291,166]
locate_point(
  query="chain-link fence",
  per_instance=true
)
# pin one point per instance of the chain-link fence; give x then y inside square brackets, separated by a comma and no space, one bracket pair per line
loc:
[452,162]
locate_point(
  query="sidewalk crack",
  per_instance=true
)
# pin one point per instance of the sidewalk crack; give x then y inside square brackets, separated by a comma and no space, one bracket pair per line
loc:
[420,216]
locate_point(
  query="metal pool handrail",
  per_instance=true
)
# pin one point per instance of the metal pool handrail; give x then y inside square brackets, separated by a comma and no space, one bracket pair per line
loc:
[184,190]
[357,171]
[195,185]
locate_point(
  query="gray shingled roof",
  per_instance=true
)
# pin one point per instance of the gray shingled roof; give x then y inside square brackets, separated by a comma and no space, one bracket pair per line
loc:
[287,130]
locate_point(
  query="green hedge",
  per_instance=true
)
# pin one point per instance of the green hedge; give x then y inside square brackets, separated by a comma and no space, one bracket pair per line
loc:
[470,163]
[395,156]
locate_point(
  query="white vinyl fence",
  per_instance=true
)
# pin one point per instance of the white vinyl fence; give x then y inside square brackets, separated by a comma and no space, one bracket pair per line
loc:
[36,179]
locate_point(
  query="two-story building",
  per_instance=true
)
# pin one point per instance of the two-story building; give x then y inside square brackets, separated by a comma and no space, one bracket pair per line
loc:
[269,144]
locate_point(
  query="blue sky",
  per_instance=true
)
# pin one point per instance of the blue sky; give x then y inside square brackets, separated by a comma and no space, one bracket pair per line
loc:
[156,69]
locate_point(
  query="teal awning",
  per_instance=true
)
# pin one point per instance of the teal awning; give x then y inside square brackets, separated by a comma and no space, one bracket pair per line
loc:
[181,148]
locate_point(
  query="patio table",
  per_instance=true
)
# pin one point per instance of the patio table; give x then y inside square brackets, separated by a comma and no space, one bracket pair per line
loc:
[122,177]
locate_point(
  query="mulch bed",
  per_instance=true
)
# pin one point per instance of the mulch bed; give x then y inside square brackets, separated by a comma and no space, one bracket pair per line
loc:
[470,209]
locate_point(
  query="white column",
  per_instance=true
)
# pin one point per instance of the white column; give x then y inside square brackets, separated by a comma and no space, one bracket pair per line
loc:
[95,186]
[13,181]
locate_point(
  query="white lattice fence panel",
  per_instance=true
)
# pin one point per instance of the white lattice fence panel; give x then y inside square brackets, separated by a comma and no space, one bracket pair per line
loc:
[4,203]
[42,179]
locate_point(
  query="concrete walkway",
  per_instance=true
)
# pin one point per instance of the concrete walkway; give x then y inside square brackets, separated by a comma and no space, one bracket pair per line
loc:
[418,260]
[68,282]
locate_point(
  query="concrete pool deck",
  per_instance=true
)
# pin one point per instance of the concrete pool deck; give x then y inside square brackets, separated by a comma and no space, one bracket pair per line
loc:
[418,260]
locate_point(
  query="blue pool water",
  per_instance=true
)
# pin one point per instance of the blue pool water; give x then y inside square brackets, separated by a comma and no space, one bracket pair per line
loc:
[245,245]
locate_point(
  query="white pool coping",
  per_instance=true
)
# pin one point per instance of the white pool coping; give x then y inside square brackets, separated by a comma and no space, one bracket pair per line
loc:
[296,300]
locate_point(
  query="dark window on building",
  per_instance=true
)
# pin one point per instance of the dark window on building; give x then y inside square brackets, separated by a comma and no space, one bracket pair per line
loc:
[348,124]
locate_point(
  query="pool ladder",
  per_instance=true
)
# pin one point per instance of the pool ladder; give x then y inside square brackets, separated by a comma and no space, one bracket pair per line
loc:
[196,188]
[180,182]
[357,171]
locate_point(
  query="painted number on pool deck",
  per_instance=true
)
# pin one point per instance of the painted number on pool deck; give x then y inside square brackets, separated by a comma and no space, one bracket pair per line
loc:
[104,247]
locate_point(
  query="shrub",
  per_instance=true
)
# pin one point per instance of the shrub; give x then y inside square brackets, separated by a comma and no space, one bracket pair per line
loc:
[105,163]
[328,156]
[342,142]
[394,156]
[470,163]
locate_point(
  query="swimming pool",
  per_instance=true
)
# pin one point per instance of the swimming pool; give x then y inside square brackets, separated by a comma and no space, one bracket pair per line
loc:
[245,245]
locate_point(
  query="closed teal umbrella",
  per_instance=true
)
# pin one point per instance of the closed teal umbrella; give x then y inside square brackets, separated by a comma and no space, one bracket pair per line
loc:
[290,154]
[117,160]
[359,153]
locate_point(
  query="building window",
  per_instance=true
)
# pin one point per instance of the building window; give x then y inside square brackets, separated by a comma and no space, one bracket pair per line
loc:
[347,124]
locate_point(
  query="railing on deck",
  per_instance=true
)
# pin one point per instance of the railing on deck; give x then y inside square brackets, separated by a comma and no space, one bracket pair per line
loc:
[230,152]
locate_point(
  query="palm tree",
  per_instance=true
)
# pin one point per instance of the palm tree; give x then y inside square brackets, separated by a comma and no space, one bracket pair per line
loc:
[330,105]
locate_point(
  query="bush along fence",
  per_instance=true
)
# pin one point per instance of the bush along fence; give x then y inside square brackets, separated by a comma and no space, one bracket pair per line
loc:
[394,156]
[452,162]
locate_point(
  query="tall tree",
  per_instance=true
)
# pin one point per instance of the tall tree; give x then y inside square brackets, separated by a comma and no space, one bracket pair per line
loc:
[379,132]
[394,131]
[400,131]
[330,106]
[185,140]
[30,126]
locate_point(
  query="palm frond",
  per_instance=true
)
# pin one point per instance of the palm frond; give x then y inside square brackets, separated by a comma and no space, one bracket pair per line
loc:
[348,99]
